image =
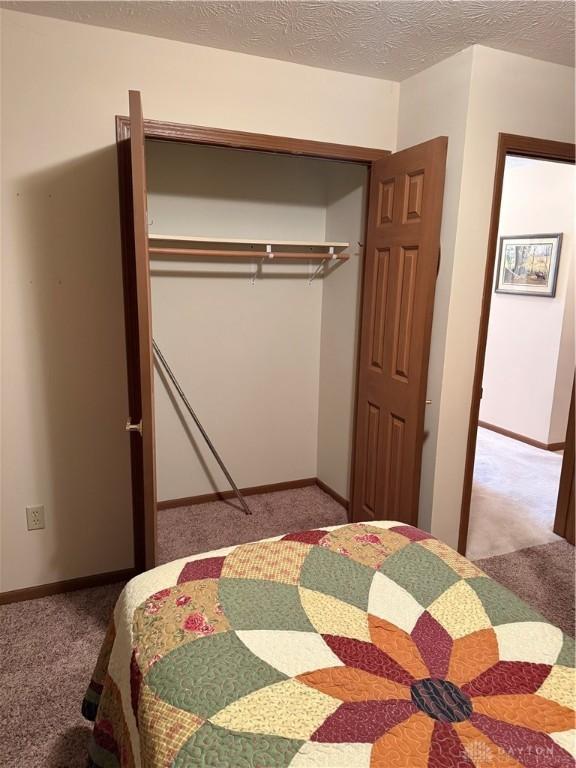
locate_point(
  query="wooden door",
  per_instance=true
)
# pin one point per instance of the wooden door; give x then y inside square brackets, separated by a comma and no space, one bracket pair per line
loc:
[401,263]
[564,523]
[134,215]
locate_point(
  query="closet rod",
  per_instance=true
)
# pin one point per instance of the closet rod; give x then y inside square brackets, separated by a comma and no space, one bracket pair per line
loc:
[207,253]
[203,432]
[244,254]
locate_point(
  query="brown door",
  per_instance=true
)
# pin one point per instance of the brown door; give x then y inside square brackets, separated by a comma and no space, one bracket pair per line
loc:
[402,252]
[139,338]
[564,523]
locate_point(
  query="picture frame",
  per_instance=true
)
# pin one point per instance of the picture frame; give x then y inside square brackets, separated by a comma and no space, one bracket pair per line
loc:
[528,264]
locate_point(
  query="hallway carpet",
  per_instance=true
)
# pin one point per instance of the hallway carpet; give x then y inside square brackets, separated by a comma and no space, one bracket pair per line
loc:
[513,496]
[48,647]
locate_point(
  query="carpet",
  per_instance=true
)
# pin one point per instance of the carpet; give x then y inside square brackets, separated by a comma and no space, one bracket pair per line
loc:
[543,576]
[48,647]
[513,497]
[203,527]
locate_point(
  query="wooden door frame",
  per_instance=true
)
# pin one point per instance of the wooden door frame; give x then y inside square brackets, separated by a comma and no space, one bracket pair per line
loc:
[214,137]
[564,520]
[508,144]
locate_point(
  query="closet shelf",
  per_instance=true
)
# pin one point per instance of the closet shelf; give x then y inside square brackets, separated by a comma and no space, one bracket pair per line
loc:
[179,246]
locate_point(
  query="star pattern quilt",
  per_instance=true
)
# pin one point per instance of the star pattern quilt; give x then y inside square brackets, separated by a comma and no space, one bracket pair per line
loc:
[358,646]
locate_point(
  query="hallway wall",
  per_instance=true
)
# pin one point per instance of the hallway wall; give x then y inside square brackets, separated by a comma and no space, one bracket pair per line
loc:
[529,366]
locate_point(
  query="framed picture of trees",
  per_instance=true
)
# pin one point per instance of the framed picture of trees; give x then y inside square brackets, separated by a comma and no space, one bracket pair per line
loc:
[528,264]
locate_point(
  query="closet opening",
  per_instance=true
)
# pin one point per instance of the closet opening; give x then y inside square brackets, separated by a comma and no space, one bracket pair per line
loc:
[290,285]
[255,265]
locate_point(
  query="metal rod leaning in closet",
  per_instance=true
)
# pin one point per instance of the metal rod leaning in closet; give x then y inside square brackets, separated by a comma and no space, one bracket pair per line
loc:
[203,432]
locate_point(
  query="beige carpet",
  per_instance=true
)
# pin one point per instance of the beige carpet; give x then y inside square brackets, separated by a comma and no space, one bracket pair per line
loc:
[543,576]
[187,530]
[513,496]
[48,647]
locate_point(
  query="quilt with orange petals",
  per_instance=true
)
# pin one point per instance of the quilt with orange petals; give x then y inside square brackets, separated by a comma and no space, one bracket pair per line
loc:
[358,646]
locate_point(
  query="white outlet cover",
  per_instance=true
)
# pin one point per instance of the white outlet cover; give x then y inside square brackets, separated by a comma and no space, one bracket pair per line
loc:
[35,517]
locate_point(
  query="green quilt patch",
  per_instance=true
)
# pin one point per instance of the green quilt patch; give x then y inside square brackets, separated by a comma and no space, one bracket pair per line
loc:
[334,574]
[424,575]
[258,604]
[207,674]
[567,653]
[501,605]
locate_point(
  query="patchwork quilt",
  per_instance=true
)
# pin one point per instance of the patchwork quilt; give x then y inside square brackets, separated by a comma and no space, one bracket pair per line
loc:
[358,646]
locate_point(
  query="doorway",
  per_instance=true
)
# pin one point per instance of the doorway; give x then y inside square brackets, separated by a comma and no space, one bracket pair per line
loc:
[395,301]
[519,424]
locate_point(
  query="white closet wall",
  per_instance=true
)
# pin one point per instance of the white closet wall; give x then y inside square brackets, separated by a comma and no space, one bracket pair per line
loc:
[249,356]
[231,193]
[346,188]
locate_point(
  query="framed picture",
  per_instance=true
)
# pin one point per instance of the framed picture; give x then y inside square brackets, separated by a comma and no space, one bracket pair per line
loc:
[528,264]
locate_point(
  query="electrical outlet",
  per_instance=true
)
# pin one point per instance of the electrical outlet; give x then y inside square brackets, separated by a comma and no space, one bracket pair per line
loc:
[35,517]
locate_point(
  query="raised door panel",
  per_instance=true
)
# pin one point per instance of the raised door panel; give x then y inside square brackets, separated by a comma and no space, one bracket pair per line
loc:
[385,202]
[404,312]
[378,308]
[371,447]
[413,194]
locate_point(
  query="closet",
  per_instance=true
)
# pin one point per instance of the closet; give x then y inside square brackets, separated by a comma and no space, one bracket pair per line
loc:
[262,336]
[290,285]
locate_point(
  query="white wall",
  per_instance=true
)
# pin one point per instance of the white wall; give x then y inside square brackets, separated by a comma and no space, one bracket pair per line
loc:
[63,379]
[345,220]
[510,94]
[247,355]
[528,373]
[435,103]
[218,192]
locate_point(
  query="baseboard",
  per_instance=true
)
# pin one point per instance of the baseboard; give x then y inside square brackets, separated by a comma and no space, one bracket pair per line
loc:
[556,446]
[70,585]
[522,438]
[204,498]
[331,492]
[112,577]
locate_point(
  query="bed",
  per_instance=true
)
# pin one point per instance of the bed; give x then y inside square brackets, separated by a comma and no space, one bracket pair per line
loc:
[356,646]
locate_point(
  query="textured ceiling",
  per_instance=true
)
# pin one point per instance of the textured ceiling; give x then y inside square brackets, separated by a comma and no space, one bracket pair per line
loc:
[391,39]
